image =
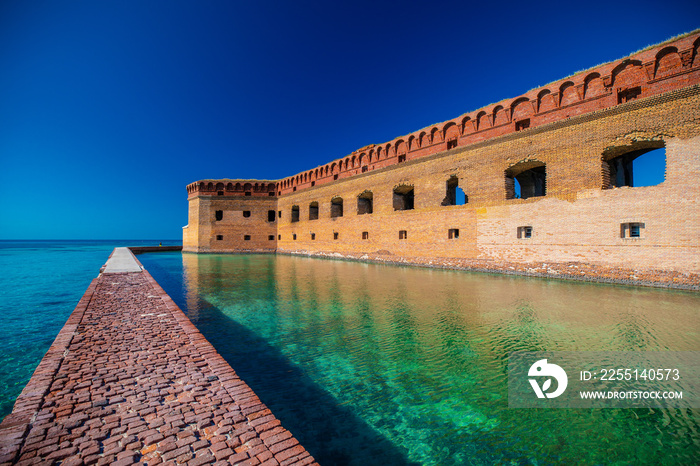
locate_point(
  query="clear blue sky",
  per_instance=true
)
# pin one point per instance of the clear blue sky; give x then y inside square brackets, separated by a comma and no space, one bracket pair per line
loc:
[108,109]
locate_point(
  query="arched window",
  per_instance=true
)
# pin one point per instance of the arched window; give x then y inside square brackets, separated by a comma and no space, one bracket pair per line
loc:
[526,179]
[643,164]
[365,203]
[454,194]
[403,198]
[313,211]
[336,207]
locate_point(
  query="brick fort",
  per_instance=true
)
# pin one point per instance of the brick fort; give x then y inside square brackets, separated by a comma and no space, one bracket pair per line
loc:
[542,184]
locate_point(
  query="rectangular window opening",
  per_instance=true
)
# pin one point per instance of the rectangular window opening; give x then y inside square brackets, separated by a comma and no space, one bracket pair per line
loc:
[451,144]
[453,233]
[364,169]
[219,237]
[403,234]
[246,213]
[248,193]
[294,236]
[313,236]
[271,238]
[271,217]
[335,177]
[524,232]
[631,230]
[220,193]
[365,235]
[313,211]
[335,235]
[625,95]
[402,158]
[272,193]
[522,124]
[279,237]
[313,183]
[219,215]
[403,198]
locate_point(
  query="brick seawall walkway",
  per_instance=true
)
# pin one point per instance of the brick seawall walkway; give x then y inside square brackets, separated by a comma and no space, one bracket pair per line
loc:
[130,380]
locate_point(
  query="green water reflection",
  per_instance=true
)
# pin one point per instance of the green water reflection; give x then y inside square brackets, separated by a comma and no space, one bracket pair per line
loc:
[419,357]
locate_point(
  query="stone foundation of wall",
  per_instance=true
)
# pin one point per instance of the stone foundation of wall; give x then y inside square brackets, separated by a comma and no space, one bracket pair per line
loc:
[577,271]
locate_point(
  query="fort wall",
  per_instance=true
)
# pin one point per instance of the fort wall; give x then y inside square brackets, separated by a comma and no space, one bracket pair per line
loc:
[238,217]
[569,146]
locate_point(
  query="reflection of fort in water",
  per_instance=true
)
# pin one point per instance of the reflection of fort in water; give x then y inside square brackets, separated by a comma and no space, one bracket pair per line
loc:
[535,184]
[521,313]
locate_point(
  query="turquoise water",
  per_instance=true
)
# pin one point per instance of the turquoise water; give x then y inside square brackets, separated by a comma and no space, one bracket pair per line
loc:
[369,364]
[40,284]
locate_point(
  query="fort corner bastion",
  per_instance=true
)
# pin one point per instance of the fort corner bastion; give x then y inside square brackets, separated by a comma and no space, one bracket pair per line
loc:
[571,146]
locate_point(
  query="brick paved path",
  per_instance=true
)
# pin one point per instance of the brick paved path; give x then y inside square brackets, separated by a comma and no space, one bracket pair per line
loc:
[130,380]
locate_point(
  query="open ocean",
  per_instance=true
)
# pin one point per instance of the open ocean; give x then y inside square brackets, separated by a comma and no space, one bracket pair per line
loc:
[40,285]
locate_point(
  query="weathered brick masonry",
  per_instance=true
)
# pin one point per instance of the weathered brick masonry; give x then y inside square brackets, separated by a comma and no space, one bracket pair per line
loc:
[128,380]
[570,145]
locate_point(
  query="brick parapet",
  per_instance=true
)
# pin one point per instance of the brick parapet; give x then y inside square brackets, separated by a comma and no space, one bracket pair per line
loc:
[656,70]
[130,379]
[228,187]
[671,96]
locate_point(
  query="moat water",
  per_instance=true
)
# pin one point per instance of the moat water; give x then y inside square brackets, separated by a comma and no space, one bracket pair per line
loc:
[40,285]
[370,364]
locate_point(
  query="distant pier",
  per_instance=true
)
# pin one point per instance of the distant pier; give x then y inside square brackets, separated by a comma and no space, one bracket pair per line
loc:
[130,380]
